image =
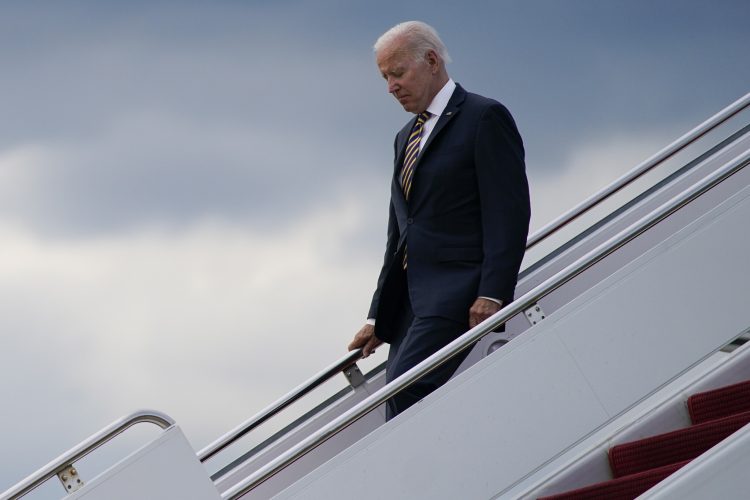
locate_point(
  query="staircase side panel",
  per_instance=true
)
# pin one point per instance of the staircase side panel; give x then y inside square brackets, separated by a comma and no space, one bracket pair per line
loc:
[163,469]
[545,391]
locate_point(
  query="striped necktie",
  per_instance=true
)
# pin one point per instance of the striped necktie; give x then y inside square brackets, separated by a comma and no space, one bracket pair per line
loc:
[412,152]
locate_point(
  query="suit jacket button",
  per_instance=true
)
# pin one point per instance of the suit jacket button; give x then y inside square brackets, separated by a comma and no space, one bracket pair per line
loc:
[409,220]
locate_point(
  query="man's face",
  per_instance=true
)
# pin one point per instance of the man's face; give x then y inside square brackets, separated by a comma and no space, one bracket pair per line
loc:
[410,82]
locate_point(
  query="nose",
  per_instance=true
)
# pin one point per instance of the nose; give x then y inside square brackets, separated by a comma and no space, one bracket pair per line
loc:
[392,86]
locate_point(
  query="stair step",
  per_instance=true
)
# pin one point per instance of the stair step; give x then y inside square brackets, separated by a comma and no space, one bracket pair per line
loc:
[622,488]
[672,447]
[719,403]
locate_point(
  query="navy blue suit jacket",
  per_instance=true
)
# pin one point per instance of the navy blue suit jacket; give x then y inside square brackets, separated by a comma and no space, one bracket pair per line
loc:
[466,221]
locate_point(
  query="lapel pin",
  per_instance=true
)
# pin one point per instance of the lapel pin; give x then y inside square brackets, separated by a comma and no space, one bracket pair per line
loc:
[449,113]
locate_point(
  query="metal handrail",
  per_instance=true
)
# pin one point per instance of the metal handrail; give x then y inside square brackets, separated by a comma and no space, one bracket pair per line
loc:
[118,426]
[443,355]
[278,405]
[640,169]
[685,140]
[479,331]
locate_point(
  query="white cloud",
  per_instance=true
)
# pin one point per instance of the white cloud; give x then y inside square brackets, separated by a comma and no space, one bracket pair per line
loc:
[155,167]
[208,324]
[18,172]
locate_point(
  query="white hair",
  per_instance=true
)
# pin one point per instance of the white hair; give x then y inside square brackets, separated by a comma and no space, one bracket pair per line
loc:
[420,38]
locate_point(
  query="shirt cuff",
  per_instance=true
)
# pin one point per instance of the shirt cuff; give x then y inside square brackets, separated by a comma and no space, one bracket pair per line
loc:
[498,302]
[371,321]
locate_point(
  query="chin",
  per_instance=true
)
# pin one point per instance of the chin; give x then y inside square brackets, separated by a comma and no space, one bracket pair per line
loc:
[407,106]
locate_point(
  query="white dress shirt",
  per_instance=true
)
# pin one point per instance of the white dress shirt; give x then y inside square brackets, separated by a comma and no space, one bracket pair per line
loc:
[436,108]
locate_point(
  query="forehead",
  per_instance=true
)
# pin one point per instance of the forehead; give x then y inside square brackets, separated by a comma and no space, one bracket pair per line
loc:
[390,59]
[394,54]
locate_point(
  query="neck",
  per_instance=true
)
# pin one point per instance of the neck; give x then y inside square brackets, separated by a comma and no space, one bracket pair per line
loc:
[439,83]
[442,79]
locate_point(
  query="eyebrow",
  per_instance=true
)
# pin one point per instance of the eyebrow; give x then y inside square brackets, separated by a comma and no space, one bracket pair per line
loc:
[397,69]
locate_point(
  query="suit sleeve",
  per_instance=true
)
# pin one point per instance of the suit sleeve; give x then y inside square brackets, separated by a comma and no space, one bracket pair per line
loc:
[504,201]
[390,250]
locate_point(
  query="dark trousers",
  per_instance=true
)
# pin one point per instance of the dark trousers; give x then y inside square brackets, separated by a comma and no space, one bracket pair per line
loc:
[415,340]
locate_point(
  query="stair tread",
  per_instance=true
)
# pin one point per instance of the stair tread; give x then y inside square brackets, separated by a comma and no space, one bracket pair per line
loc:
[719,403]
[672,447]
[622,488]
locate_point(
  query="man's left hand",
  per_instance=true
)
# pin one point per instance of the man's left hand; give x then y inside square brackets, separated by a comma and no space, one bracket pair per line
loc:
[365,339]
[481,310]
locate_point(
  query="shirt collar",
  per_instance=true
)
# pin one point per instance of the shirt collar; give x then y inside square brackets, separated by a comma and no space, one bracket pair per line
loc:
[440,101]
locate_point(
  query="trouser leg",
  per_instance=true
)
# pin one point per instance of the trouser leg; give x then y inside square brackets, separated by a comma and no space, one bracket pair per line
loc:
[422,338]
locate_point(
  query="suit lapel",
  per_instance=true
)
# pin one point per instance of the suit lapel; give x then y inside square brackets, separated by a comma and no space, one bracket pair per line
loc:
[451,110]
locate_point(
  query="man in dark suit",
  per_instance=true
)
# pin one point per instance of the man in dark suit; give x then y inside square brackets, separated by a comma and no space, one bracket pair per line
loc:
[458,218]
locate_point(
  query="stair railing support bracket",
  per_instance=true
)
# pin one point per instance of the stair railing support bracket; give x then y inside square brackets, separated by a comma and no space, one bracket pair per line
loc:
[534,314]
[354,375]
[70,479]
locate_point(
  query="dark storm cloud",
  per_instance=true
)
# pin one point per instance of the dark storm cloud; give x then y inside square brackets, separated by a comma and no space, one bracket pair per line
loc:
[157,127]
[163,113]
[577,71]
[153,169]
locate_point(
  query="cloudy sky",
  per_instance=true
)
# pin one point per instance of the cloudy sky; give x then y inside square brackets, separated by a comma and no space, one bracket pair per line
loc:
[193,194]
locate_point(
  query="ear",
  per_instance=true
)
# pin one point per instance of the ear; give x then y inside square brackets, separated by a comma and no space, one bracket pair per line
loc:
[433,60]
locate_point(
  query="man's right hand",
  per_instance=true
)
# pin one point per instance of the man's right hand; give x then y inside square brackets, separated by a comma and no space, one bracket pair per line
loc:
[366,339]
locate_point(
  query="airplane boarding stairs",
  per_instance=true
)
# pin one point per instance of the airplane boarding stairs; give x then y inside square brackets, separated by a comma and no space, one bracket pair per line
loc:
[607,322]
[587,363]
[698,167]
[696,424]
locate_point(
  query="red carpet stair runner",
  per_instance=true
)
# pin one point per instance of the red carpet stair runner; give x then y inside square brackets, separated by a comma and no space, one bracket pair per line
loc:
[639,465]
